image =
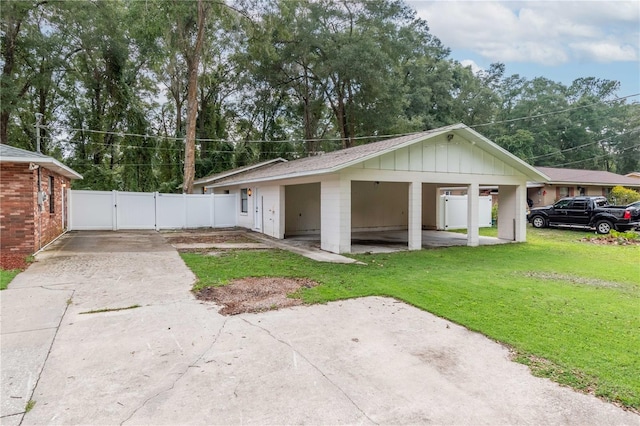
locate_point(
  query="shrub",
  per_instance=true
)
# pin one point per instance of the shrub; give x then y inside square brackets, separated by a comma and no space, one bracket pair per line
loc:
[620,195]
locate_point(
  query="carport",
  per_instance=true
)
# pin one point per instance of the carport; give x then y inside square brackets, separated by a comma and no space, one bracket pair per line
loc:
[391,185]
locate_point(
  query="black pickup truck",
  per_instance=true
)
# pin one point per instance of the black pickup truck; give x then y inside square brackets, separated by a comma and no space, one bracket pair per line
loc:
[589,212]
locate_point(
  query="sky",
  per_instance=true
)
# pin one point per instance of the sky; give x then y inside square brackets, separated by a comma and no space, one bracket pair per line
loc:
[560,40]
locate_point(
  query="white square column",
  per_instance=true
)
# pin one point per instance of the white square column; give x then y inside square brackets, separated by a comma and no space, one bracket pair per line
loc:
[415,216]
[473,213]
[280,224]
[335,215]
[512,220]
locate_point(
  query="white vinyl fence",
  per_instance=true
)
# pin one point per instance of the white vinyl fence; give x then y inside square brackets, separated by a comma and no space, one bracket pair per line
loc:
[453,212]
[114,210]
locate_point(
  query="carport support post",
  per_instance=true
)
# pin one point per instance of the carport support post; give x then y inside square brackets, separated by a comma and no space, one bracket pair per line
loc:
[473,211]
[415,216]
[335,215]
[512,221]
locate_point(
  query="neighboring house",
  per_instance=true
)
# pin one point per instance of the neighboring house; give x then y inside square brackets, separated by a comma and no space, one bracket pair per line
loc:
[199,185]
[32,199]
[388,185]
[634,175]
[574,182]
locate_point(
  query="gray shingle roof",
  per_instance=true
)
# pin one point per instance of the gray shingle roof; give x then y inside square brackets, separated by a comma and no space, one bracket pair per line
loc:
[595,177]
[228,173]
[11,154]
[329,161]
[7,152]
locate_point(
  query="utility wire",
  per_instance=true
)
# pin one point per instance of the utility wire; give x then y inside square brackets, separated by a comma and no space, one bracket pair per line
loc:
[583,145]
[123,134]
[595,157]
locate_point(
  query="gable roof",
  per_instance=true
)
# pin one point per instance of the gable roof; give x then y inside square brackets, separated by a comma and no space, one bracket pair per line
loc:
[11,154]
[212,178]
[587,177]
[334,161]
[635,175]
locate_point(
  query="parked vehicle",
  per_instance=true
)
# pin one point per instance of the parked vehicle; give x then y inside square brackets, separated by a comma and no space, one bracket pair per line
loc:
[588,212]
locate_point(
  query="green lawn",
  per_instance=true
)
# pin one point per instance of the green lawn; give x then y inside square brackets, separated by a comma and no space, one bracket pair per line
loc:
[569,309]
[7,276]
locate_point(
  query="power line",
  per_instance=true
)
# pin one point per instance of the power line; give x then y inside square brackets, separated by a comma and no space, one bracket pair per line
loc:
[173,138]
[123,134]
[583,145]
[544,114]
[596,157]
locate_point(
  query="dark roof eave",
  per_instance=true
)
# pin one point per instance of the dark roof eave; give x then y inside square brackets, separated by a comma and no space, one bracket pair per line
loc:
[208,179]
[274,178]
[575,182]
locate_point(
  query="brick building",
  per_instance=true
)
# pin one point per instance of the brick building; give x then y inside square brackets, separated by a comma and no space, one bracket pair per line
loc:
[33,199]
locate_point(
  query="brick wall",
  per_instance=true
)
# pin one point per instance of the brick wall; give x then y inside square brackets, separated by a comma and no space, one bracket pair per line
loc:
[50,218]
[25,227]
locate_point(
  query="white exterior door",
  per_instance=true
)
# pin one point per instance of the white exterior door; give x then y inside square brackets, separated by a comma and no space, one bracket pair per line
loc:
[257,208]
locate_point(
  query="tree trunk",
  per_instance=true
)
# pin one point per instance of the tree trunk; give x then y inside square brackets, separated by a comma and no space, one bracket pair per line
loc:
[193,62]
[8,56]
[190,137]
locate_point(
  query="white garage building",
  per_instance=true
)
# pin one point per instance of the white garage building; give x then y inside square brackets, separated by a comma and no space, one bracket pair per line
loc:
[388,185]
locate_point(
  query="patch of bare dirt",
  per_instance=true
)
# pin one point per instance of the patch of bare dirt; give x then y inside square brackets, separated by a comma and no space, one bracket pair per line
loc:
[255,294]
[572,279]
[209,239]
[610,240]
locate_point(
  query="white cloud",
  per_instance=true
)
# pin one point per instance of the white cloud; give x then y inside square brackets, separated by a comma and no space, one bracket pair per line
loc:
[549,33]
[604,52]
[475,68]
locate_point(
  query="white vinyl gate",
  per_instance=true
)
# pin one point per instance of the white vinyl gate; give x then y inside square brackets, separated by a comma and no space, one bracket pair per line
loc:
[114,210]
[453,212]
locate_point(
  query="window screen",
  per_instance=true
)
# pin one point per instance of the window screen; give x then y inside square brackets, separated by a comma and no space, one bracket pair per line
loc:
[244,201]
[52,198]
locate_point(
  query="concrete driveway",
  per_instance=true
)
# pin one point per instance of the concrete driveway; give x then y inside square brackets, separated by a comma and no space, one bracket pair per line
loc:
[175,360]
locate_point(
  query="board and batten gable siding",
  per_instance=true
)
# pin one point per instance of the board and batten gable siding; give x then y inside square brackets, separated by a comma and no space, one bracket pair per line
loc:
[439,155]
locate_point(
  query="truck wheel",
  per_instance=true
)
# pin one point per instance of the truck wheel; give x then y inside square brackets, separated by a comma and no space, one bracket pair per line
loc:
[539,222]
[603,227]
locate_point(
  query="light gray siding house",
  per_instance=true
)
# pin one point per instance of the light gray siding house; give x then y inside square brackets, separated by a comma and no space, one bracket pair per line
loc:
[388,185]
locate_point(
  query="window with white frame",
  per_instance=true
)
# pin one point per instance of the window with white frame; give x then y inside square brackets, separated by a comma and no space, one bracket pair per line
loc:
[244,201]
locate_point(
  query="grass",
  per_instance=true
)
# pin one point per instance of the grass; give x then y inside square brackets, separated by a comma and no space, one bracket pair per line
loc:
[6,276]
[99,311]
[568,309]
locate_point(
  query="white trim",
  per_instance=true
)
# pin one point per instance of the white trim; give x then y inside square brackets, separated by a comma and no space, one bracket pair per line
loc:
[474,137]
[44,162]
[228,173]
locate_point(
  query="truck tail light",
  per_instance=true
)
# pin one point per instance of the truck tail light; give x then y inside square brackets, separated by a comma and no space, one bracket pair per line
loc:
[627,214]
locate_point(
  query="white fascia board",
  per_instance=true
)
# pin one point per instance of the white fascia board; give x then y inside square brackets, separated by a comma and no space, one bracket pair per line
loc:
[50,163]
[396,147]
[525,168]
[522,166]
[343,165]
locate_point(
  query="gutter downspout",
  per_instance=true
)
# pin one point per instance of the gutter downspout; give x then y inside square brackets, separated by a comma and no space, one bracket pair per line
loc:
[38,199]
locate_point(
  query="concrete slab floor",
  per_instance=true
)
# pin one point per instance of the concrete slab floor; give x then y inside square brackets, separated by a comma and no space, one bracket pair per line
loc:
[393,241]
[175,360]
